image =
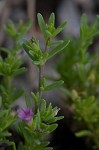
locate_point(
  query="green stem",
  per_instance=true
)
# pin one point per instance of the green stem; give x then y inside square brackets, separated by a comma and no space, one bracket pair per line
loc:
[41,74]
[46,46]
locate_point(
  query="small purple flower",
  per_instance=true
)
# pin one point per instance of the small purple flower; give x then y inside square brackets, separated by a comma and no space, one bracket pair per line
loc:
[26,114]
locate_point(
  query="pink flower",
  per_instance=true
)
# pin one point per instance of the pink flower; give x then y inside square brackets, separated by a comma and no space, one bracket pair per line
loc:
[26,114]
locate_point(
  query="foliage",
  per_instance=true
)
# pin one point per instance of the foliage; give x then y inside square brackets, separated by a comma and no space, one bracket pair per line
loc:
[79,68]
[87,114]
[31,124]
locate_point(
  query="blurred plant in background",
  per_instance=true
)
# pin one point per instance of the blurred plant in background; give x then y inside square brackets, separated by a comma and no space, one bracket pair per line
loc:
[10,66]
[79,68]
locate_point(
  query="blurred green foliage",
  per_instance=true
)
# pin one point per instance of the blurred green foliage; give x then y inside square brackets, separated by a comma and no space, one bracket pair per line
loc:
[79,68]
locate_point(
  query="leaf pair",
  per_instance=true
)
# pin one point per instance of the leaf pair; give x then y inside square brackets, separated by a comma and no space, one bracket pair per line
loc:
[48,30]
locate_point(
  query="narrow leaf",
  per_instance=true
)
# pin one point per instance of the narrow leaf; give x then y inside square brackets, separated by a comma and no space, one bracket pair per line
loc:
[41,23]
[20,71]
[54,85]
[43,107]
[51,19]
[83,133]
[52,127]
[27,49]
[59,29]
[4,134]
[38,120]
[58,49]
[35,98]
[52,43]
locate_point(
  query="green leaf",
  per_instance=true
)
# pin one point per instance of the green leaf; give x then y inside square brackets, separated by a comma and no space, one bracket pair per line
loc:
[43,107]
[59,29]
[51,20]
[41,23]
[4,49]
[83,133]
[19,71]
[38,120]
[53,43]
[10,29]
[7,120]
[84,26]
[16,33]
[4,134]
[59,48]
[24,29]
[27,48]
[35,98]
[62,25]
[50,119]
[87,32]
[52,127]
[44,144]
[53,85]
[59,118]
[48,34]
[37,63]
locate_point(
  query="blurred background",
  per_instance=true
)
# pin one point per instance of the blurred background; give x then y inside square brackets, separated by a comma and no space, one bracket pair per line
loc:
[65,10]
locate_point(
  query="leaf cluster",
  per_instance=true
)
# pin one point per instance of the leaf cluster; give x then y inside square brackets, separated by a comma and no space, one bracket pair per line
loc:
[77,66]
[6,120]
[49,31]
[32,47]
[80,71]
[17,33]
[10,67]
[87,114]
[42,124]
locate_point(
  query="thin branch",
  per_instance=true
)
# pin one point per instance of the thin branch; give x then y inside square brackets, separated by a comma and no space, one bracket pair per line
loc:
[41,72]
[41,75]
[46,48]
